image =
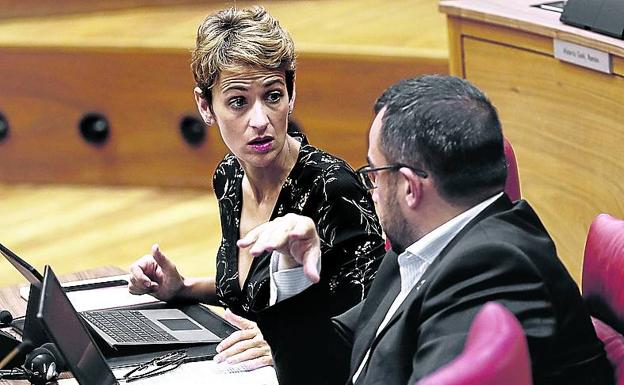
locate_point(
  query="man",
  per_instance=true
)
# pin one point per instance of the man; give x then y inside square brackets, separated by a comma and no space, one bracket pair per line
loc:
[437,171]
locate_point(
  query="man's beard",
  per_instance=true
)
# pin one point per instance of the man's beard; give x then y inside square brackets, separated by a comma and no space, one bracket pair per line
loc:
[398,234]
[395,225]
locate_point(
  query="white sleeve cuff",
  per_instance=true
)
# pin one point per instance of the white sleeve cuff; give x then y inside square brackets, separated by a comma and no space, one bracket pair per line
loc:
[286,283]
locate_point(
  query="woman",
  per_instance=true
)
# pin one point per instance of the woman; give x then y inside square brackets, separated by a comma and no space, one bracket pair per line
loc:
[244,66]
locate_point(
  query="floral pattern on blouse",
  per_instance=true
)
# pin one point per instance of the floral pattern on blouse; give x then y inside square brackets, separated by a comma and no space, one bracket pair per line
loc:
[319,186]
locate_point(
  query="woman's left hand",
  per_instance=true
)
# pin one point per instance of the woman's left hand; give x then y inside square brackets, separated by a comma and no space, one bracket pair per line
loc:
[245,347]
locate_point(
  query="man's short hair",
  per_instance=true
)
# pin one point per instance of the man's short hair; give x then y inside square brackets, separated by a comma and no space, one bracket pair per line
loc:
[449,128]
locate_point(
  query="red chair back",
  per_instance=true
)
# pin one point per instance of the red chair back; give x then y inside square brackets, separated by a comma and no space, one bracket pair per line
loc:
[496,353]
[512,184]
[603,286]
[603,267]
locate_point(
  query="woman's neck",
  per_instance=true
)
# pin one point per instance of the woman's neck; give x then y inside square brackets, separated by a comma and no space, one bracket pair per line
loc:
[264,182]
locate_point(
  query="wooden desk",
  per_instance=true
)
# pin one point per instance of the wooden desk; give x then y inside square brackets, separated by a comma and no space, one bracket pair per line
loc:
[10,298]
[564,121]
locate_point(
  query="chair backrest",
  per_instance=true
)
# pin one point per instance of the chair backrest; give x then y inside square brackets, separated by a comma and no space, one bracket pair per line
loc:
[603,269]
[496,353]
[603,286]
[512,184]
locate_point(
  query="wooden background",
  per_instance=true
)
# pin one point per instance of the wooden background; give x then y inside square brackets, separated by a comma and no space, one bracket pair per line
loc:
[74,228]
[29,8]
[565,121]
[133,67]
[77,206]
[66,203]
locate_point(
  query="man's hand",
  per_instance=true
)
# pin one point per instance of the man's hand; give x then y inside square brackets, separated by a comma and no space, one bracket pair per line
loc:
[245,347]
[155,274]
[294,237]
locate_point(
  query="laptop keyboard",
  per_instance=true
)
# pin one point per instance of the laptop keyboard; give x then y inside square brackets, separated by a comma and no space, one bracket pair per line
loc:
[127,326]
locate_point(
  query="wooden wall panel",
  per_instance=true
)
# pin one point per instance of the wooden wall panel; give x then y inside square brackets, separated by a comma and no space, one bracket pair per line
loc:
[53,70]
[336,93]
[565,123]
[145,94]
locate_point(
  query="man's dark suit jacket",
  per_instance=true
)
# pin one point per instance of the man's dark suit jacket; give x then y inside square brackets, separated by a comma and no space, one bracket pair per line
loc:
[504,255]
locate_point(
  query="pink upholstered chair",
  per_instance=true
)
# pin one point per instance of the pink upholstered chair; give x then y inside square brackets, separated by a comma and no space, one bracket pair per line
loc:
[495,353]
[603,286]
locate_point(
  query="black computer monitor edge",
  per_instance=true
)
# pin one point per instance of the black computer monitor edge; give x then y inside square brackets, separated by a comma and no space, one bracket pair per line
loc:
[67,330]
[32,330]
[29,272]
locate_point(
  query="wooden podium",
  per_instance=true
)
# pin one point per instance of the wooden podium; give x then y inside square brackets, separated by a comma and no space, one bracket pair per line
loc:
[564,120]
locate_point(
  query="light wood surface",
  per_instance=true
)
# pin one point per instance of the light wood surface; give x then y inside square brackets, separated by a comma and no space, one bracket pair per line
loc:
[133,67]
[10,295]
[75,228]
[28,8]
[399,27]
[519,15]
[563,120]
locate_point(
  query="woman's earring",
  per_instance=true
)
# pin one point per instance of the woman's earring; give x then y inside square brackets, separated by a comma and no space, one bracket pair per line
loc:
[290,111]
[209,121]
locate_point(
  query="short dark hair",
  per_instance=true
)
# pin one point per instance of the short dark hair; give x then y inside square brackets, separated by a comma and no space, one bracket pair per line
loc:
[449,128]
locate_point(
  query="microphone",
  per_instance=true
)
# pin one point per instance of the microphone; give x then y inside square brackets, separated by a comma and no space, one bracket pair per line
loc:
[5,318]
[7,342]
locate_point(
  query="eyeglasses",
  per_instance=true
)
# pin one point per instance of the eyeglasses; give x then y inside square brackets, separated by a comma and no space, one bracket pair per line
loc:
[156,366]
[368,174]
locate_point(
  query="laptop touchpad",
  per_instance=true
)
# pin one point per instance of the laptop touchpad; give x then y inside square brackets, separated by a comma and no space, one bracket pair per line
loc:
[179,324]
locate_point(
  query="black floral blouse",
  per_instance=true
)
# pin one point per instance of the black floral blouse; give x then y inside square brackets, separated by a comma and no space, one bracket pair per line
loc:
[319,186]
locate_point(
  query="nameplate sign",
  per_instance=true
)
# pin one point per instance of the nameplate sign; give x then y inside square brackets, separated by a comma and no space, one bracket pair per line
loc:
[582,56]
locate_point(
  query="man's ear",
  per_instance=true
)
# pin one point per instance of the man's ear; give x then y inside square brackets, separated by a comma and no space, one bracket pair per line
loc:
[413,187]
[203,106]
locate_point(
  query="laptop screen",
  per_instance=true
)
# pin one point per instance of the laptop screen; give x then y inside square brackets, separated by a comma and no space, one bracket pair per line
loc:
[31,329]
[69,334]
[29,272]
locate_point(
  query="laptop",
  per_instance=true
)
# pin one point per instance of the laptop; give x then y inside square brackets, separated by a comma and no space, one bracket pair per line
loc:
[65,328]
[31,330]
[127,327]
[120,327]
[30,273]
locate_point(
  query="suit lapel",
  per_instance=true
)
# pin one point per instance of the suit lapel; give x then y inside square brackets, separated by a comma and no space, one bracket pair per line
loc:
[498,205]
[386,288]
[407,302]
[373,317]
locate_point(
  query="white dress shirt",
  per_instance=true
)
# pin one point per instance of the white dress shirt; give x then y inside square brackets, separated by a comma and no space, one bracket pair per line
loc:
[413,262]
